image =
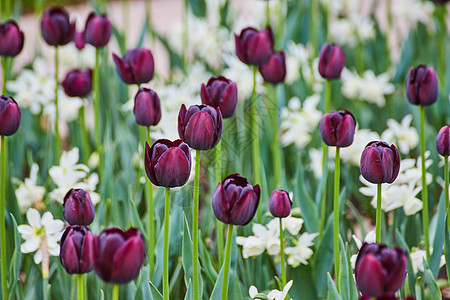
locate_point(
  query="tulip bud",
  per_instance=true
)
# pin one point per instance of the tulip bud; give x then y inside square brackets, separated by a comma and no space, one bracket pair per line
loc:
[76,250]
[78,207]
[337,128]
[147,109]
[78,83]
[380,163]
[200,127]
[235,201]
[97,30]
[422,85]
[280,204]
[119,255]
[220,92]
[274,70]
[254,47]
[168,163]
[380,271]
[331,61]
[79,41]
[56,27]
[11,39]
[136,66]
[10,116]
[443,141]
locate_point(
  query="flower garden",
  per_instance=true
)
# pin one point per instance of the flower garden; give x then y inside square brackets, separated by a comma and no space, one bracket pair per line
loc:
[254,149]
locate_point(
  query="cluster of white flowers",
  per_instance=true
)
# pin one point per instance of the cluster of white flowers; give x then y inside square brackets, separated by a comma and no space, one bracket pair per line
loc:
[299,120]
[401,134]
[29,193]
[273,294]
[418,255]
[352,31]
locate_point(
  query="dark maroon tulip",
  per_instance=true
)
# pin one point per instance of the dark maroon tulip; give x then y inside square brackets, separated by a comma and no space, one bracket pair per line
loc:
[56,27]
[274,70]
[168,163]
[443,141]
[422,85]
[147,108]
[11,39]
[391,297]
[220,92]
[235,201]
[280,204]
[254,47]
[10,116]
[337,128]
[200,127]
[137,66]
[380,163]
[76,250]
[79,41]
[380,271]
[119,255]
[331,61]
[97,30]
[78,83]
[78,207]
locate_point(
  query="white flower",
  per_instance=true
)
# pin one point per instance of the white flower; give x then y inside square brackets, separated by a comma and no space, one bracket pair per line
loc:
[274,294]
[417,257]
[402,134]
[264,238]
[351,84]
[370,238]
[301,252]
[297,56]
[40,230]
[28,193]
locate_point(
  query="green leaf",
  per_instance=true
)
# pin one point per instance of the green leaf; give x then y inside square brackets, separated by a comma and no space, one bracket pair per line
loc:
[344,286]
[434,291]
[16,259]
[187,252]
[411,274]
[324,258]
[306,203]
[156,295]
[332,291]
[447,247]
[435,258]
[303,282]
[217,290]
[198,7]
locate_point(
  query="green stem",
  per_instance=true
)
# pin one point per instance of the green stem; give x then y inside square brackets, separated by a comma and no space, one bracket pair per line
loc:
[283,265]
[84,135]
[166,246]
[255,137]
[97,100]
[45,295]
[226,264]
[336,215]
[80,286]
[424,181]
[275,139]
[184,38]
[267,13]
[5,74]
[219,226]
[149,16]
[328,96]
[3,166]
[125,14]
[312,28]
[378,221]
[446,191]
[195,226]
[441,43]
[58,139]
[115,295]
[149,198]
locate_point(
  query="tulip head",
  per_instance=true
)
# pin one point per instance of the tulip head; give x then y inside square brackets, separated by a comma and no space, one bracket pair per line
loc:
[274,70]
[380,163]
[422,85]
[137,66]
[220,92]
[331,61]
[380,271]
[78,207]
[56,27]
[78,83]
[200,126]
[168,163]
[98,29]
[10,116]
[254,47]
[443,141]
[147,108]
[119,255]
[337,128]
[79,41]
[235,201]
[76,250]
[11,39]
[280,204]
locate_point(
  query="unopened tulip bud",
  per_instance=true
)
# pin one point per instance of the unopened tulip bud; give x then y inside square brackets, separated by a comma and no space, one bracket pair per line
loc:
[274,70]
[78,207]
[147,108]
[380,163]
[79,41]
[11,39]
[10,116]
[337,128]
[331,61]
[137,66]
[280,204]
[422,86]
[443,141]
[220,92]
[78,83]
[254,47]
[76,250]
[56,27]
[97,31]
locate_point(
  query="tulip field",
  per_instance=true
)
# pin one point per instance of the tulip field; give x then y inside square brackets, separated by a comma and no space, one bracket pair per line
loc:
[225,149]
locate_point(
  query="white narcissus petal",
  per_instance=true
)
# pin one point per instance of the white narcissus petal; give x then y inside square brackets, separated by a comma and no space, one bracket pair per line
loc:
[259,230]
[286,289]
[38,257]
[252,291]
[34,218]
[26,230]
[30,245]
[293,225]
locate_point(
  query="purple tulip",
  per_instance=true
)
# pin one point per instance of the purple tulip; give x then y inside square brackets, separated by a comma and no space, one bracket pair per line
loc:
[76,250]
[10,116]
[78,83]
[119,255]
[280,204]
[331,61]
[56,27]
[200,127]
[78,207]
[380,163]
[97,30]
[168,163]
[274,70]
[137,66]
[391,297]
[254,47]
[79,41]
[147,108]
[380,271]
[422,85]
[443,141]
[11,39]
[235,201]
[220,92]
[337,128]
